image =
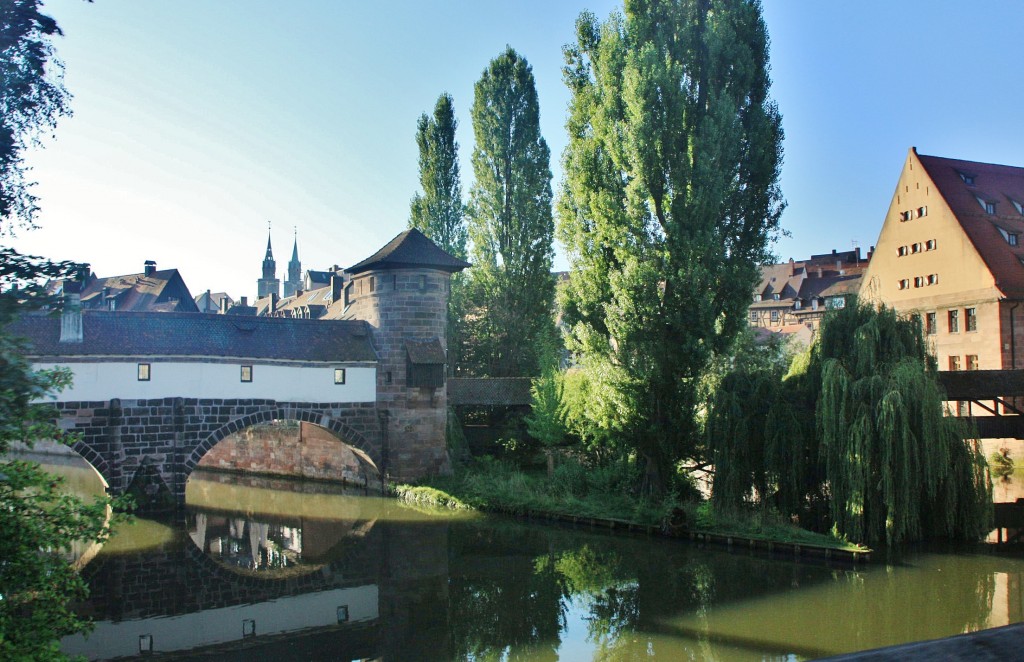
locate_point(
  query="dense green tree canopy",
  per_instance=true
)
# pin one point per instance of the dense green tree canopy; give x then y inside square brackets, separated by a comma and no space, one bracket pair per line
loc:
[438,212]
[669,203]
[510,223]
[858,427]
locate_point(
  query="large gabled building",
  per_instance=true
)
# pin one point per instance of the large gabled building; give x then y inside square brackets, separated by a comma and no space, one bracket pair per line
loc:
[950,252]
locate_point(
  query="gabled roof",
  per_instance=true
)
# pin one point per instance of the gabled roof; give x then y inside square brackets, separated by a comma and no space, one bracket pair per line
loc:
[410,250]
[113,334]
[163,290]
[999,184]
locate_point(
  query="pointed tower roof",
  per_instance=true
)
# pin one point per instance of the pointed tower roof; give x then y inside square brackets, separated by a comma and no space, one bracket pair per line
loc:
[295,248]
[410,250]
[270,251]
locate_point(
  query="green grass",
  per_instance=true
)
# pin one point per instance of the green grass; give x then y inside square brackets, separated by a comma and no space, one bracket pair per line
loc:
[600,493]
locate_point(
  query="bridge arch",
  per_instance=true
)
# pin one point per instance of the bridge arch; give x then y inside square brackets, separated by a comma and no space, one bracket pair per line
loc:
[345,433]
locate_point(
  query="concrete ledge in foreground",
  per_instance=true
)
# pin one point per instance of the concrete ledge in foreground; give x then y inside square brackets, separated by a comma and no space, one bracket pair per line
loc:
[1002,643]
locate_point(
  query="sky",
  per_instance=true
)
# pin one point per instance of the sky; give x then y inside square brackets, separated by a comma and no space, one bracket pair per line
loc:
[196,123]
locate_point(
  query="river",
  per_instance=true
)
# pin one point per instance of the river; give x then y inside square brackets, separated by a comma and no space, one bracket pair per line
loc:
[306,571]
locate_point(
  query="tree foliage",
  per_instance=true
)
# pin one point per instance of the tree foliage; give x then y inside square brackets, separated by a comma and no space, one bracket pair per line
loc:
[859,426]
[510,224]
[32,99]
[439,212]
[39,522]
[669,203]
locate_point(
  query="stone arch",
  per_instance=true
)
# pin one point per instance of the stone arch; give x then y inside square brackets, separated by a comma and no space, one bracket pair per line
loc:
[346,434]
[95,459]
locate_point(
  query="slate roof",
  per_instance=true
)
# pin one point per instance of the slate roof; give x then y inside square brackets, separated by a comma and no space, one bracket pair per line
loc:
[116,334]
[425,352]
[140,292]
[999,184]
[409,250]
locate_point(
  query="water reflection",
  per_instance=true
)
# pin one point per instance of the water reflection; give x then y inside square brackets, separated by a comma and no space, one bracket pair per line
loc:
[334,575]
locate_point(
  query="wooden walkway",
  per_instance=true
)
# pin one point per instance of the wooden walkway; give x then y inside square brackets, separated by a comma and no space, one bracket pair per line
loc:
[991,394]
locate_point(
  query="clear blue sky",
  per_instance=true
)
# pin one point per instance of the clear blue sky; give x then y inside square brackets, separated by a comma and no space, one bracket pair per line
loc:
[197,122]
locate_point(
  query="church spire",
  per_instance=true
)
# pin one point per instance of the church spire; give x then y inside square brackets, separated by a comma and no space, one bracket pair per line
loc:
[268,284]
[294,281]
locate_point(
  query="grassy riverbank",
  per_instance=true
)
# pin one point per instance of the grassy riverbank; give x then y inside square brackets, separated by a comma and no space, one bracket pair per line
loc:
[600,493]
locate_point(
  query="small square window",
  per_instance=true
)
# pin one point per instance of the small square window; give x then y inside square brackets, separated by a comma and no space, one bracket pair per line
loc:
[143,372]
[339,375]
[775,316]
[342,614]
[954,362]
[933,279]
[918,281]
[987,205]
[922,211]
[917,248]
[901,251]
[929,245]
[246,373]
[753,316]
[904,283]
[972,361]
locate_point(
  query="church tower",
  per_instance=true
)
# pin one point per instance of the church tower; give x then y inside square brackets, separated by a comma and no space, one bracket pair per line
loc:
[269,284]
[294,281]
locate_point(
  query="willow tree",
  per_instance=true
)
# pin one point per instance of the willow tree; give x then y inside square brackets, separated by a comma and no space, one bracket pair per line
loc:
[891,464]
[438,212]
[669,203]
[510,224]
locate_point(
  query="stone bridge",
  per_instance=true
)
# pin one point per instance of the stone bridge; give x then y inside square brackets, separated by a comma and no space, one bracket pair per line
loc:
[171,435]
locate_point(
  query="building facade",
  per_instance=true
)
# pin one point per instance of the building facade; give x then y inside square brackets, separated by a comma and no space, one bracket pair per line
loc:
[949,252]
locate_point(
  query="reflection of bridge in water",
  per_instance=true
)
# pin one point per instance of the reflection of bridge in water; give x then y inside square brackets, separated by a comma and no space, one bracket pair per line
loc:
[343,571]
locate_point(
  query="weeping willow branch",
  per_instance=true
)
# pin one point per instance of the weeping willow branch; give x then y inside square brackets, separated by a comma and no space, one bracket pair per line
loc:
[881,454]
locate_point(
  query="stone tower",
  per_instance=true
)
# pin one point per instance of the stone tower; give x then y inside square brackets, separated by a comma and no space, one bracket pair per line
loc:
[294,281]
[268,284]
[402,292]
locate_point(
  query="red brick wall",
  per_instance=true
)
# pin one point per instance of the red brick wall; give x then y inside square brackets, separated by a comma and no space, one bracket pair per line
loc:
[297,450]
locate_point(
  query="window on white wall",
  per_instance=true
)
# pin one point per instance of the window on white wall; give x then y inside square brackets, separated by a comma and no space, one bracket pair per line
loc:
[246,373]
[143,372]
[339,375]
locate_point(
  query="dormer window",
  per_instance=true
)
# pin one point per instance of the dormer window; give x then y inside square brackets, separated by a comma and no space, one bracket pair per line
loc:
[1019,206]
[967,178]
[776,296]
[987,205]
[796,305]
[757,298]
[1010,237]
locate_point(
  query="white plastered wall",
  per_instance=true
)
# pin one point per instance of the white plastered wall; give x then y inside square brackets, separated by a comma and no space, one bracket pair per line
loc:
[98,381]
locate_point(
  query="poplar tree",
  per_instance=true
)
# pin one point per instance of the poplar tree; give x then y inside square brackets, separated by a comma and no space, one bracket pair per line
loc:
[669,203]
[510,224]
[439,212]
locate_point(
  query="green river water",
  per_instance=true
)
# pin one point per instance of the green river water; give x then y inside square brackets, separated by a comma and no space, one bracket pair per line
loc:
[257,567]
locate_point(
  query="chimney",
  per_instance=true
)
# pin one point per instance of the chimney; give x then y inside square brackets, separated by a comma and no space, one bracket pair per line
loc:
[871,251]
[819,272]
[149,268]
[71,318]
[224,306]
[336,284]
[792,267]
[208,306]
[833,251]
[245,302]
